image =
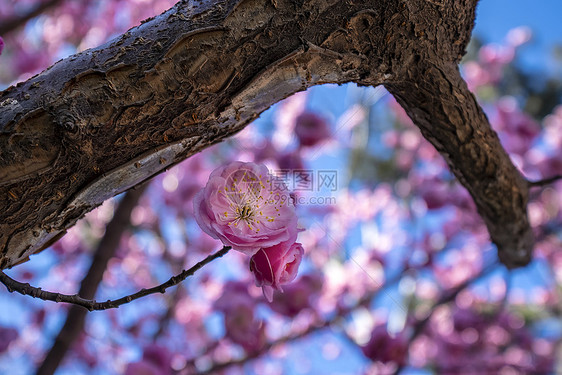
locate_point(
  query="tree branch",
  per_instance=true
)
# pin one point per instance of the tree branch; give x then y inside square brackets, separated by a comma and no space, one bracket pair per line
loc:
[104,251]
[11,24]
[447,297]
[26,289]
[449,117]
[109,118]
[101,121]
[544,182]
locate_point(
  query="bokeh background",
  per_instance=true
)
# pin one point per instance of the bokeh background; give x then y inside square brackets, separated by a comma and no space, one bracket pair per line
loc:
[399,275]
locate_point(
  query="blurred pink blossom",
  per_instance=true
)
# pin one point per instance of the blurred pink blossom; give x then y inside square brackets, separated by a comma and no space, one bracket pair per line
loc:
[311,129]
[242,328]
[142,368]
[291,160]
[386,348]
[155,360]
[517,131]
[519,35]
[298,295]
[239,321]
[7,335]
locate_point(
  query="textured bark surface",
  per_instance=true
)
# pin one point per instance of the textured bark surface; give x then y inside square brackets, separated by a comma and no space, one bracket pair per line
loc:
[450,118]
[102,121]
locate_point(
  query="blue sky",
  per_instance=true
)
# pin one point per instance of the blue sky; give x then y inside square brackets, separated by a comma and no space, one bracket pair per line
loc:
[496,17]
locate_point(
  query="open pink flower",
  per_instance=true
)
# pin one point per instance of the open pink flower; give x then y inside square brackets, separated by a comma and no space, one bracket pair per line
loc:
[246,207]
[276,265]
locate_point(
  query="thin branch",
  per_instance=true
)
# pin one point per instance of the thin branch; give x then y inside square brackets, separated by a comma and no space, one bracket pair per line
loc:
[450,295]
[11,24]
[26,289]
[104,251]
[340,313]
[266,348]
[546,181]
[164,320]
[447,297]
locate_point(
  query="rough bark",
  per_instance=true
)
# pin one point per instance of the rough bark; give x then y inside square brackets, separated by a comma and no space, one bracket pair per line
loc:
[462,134]
[102,121]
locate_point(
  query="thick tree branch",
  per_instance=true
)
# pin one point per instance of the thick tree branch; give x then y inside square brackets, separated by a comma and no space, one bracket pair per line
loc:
[450,118]
[26,289]
[104,120]
[109,118]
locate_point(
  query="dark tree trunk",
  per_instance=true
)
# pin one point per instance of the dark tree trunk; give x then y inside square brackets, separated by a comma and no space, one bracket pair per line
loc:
[102,121]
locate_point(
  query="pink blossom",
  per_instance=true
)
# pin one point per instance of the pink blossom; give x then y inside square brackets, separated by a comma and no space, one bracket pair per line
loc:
[240,324]
[299,295]
[496,54]
[242,328]
[1,45]
[519,35]
[291,160]
[386,348]
[234,294]
[7,335]
[142,368]
[517,131]
[158,355]
[311,129]
[276,265]
[246,207]
[438,193]
[156,360]
[265,151]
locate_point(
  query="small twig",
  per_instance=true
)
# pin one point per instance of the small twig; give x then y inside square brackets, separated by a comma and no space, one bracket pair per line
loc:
[546,181]
[447,297]
[340,314]
[104,251]
[26,289]
[265,349]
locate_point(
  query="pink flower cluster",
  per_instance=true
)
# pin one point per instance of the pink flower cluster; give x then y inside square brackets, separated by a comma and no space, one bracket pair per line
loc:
[246,207]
